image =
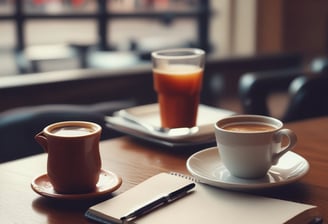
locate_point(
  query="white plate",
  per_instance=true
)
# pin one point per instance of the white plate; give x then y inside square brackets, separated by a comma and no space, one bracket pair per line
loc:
[207,167]
[149,115]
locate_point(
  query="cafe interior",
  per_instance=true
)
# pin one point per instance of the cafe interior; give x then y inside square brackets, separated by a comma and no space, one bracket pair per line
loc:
[86,60]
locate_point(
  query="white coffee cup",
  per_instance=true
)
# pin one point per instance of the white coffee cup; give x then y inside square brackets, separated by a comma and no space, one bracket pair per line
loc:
[250,144]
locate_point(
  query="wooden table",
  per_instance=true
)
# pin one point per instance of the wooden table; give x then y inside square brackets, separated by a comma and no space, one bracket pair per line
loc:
[135,161]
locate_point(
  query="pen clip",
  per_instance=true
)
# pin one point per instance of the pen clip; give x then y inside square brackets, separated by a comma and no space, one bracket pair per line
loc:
[157,203]
[180,192]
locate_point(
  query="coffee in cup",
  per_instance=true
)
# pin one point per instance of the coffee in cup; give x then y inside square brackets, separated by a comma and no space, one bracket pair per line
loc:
[248,127]
[250,144]
[71,131]
[74,163]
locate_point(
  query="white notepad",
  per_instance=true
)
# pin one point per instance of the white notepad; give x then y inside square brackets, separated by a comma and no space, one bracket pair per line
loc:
[204,205]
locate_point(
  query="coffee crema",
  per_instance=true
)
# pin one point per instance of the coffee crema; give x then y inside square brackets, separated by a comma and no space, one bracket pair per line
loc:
[71,131]
[249,127]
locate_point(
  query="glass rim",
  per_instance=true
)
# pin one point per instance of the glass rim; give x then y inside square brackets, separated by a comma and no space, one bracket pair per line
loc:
[164,54]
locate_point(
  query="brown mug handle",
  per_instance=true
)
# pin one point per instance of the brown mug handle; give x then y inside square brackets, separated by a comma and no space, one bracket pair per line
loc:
[42,140]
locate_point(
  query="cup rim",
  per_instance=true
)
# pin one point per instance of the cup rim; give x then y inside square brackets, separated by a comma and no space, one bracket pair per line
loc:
[197,52]
[253,118]
[96,127]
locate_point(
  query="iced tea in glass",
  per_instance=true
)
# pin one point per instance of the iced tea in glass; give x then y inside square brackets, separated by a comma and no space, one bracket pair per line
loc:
[178,75]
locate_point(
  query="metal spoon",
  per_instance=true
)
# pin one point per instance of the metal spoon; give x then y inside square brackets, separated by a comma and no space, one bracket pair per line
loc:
[168,131]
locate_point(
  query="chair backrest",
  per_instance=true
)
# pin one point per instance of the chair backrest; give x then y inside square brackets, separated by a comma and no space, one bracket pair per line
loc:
[309,98]
[19,126]
[256,87]
[319,64]
[308,93]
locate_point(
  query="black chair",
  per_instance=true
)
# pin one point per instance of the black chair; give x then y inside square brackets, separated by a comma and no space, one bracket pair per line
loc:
[319,64]
[255,88]
[19,126]
[309,98]
[308,94]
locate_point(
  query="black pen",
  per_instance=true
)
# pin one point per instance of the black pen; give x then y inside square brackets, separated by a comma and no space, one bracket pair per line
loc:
[158,202]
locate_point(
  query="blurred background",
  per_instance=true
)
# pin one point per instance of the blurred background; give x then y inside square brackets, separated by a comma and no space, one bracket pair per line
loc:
[35,31]
[85,59]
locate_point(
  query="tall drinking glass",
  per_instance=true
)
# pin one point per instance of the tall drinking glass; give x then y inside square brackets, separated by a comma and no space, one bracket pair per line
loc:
[178,75]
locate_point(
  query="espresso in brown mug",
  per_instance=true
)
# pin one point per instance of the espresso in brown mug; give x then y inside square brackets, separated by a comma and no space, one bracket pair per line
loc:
[74,162]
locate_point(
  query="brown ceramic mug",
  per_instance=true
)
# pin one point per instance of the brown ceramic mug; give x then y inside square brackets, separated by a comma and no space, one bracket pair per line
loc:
[73,155]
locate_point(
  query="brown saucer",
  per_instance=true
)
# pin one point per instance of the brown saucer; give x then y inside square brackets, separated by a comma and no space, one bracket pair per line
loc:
[108,183]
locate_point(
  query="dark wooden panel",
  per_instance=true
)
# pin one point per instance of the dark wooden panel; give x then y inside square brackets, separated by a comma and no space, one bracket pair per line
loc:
[94,85]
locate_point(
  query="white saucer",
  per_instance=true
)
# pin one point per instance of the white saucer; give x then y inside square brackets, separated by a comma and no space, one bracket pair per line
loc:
[207,167]
[148,115]
[108,182]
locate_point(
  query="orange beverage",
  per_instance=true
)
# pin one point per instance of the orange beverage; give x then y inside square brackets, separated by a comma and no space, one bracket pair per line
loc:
[178,87]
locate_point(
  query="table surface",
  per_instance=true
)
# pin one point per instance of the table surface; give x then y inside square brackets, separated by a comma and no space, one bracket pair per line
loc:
[135,161]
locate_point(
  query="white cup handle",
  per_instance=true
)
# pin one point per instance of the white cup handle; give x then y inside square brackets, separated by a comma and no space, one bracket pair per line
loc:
[277,138]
